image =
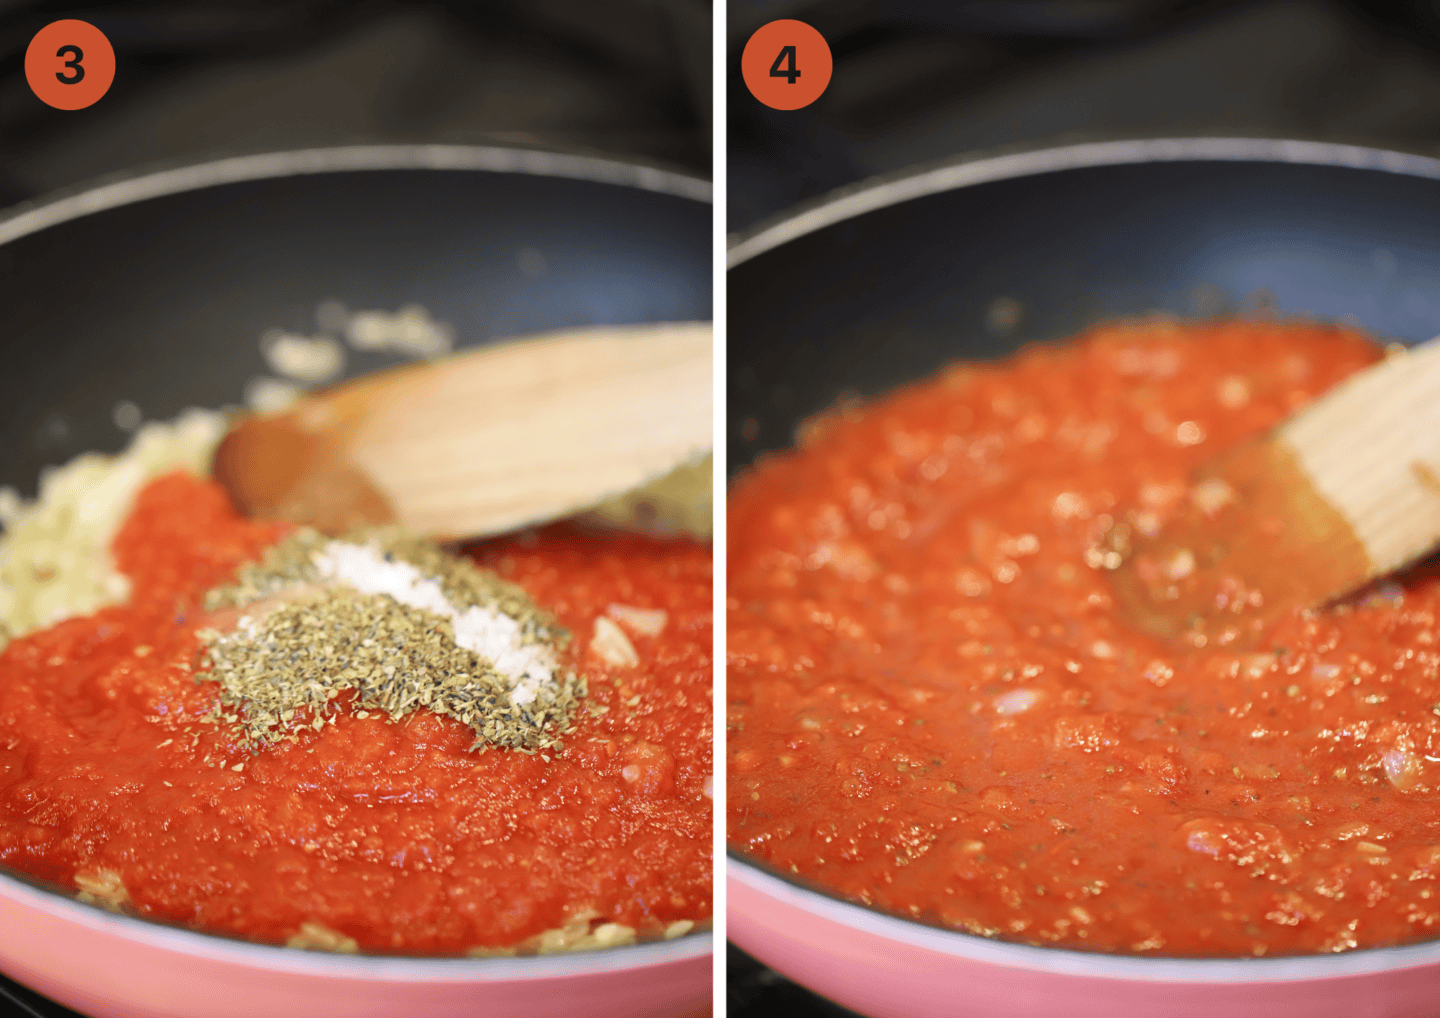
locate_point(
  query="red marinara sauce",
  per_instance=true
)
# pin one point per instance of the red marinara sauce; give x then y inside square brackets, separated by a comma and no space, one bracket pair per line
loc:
[935,710]
[393,834]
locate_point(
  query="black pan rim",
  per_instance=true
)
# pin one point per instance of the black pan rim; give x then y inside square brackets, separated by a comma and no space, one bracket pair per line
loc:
[133,186]
[968,170]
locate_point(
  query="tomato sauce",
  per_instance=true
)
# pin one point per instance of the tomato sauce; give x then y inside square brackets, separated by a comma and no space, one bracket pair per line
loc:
[935,708]
[394,835]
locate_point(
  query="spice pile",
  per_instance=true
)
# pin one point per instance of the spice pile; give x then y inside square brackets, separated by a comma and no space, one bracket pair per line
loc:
[396,622]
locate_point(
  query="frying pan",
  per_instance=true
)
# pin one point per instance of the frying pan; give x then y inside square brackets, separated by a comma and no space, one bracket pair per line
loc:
[971,259]
[155,289]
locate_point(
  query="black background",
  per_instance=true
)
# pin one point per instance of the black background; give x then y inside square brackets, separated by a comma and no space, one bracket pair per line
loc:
[200,78]
[916,80]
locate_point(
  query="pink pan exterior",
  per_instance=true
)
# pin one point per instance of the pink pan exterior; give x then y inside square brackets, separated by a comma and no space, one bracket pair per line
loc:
[893,968]
[113,966]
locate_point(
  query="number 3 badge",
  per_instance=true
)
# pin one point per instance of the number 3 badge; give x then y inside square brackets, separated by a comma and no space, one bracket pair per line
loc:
[786,64]
[70,64]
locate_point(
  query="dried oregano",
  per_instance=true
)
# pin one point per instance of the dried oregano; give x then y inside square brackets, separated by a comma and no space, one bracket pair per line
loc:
[284,666]
[291,563]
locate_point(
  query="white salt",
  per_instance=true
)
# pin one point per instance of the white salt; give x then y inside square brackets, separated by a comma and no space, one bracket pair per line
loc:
[489,633]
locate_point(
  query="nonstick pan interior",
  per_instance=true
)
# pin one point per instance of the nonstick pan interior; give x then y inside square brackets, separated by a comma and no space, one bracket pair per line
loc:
[974,272]
[162,302]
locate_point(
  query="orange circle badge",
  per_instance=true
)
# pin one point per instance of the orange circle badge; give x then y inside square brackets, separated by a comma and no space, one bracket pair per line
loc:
[70,64]
[786,64]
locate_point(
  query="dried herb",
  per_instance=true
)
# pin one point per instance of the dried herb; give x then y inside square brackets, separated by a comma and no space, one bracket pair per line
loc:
[291,563]
[284,671]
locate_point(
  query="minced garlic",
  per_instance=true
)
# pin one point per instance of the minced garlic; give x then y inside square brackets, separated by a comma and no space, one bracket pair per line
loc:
[640,621]
[314,936]
[55,560]
[104,888]
[612,646]
[575,935]
[578,934]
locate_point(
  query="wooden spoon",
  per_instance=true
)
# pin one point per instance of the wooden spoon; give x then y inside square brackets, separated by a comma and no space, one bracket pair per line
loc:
[484,441]
[1343,492]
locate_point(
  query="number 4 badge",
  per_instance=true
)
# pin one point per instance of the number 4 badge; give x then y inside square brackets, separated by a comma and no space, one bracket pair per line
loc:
[781,70]
[786,65]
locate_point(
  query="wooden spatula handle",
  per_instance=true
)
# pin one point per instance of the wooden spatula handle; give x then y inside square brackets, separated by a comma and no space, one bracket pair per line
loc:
[539,429]
[485,441]
[1371,448]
